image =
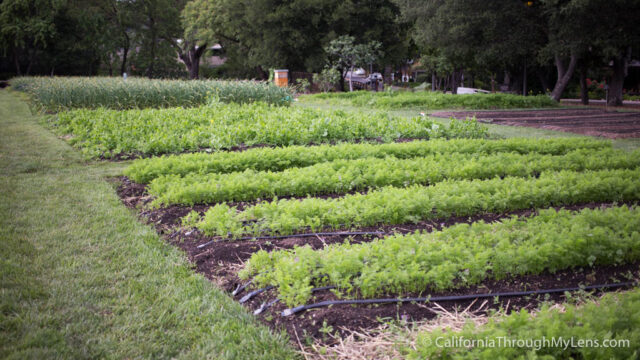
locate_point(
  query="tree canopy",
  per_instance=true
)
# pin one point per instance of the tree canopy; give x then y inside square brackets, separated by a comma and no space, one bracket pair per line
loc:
[519,44]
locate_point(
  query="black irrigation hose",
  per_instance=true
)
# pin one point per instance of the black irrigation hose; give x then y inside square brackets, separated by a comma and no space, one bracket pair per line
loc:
[241,288]
[342,233]
[291,311]
[265,306]
[254,293]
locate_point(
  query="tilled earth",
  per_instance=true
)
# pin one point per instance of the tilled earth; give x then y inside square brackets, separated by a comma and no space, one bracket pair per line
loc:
[221,259]
[593,122]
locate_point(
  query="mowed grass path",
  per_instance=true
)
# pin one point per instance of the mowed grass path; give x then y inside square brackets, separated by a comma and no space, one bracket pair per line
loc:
[80,277]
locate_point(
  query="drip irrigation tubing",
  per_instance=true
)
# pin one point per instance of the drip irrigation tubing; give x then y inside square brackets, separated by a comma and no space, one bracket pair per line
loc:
[292,311]
[341,233]
[267,305]
[254,293]
[241,288]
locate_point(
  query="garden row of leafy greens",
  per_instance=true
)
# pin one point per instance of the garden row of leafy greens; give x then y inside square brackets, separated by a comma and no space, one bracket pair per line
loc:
[55,94]
[278,159]
[345,176]
[614,318]
[390,205]
[432,100]
[218,126]
[457,256]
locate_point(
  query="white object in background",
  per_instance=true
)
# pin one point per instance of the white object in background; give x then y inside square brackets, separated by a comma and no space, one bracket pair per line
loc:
[124,76]
[466,90]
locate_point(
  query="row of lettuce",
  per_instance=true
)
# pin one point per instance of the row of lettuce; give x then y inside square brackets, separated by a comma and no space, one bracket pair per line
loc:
[110,133]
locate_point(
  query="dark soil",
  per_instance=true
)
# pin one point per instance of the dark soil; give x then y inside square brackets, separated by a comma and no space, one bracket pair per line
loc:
[221,260]
[593,122]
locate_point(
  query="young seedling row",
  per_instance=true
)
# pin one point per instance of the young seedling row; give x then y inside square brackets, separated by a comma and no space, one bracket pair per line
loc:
[279,159]
[457,256]
[344,176]
[390,205]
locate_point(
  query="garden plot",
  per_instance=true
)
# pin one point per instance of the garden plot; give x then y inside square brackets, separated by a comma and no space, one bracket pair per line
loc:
[251,218]
[593,122]
[141,133]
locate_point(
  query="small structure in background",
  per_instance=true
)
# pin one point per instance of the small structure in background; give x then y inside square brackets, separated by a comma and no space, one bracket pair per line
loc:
[362,81]
[466,90]
[281,77]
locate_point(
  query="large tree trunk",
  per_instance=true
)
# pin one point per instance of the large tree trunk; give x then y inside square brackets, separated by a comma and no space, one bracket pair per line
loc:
[617,81]
[564,76]
[191,59]
[584,90]
[194,70]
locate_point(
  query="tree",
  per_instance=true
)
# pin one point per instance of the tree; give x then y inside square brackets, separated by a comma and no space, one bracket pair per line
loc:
[262,34]
[478,35]
[27,27]
[582,31]
[344,55]
[611,27]
[197,34]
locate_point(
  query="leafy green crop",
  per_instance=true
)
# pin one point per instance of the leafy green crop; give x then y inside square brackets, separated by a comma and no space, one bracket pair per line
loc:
[222,126]
[391,205]
[454,257]
[278,159]
[614,318]
[432,100]
[344,176]
[65,93]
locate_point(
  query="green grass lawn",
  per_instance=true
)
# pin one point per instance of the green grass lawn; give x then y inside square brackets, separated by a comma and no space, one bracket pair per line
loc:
[81,277]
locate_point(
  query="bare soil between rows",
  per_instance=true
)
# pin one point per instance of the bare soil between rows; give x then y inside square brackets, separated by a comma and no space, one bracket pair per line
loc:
[592,122]
[221,260]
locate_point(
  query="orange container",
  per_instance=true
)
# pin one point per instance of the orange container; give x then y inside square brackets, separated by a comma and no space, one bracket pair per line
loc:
[281,77]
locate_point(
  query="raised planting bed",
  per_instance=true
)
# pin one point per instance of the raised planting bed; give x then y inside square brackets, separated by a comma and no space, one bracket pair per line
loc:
[593,122]
[282,244]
